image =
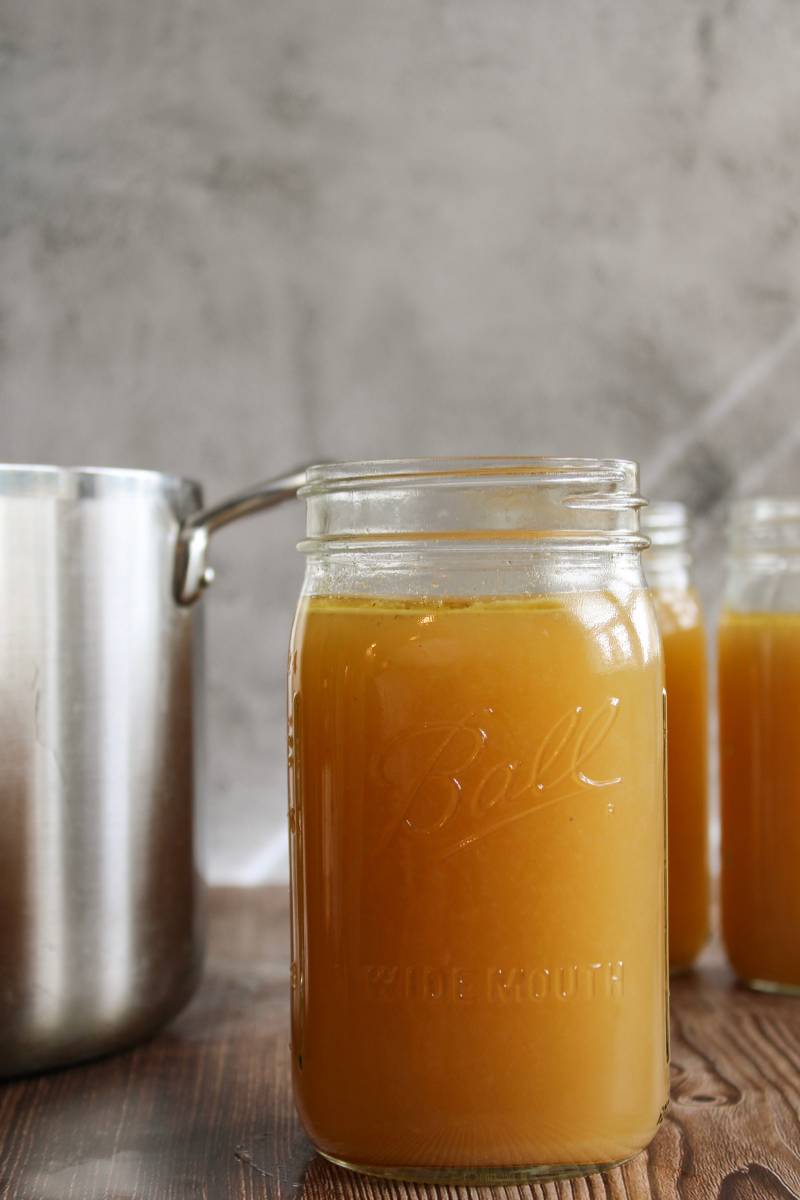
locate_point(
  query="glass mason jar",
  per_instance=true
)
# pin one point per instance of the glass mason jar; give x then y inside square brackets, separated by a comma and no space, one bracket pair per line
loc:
[477,821]
[667,566]
[759,701]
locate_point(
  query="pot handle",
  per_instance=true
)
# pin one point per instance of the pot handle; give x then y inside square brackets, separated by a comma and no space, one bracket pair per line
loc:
[192,574]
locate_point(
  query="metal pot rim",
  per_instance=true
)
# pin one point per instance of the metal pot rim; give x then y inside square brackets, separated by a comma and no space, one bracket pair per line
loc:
[76,483]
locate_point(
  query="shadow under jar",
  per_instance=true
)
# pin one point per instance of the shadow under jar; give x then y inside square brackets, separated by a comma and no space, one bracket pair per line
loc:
[477,821]
[680,617]
[759,699]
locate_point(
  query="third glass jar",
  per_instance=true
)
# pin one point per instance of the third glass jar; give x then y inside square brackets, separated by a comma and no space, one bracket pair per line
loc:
[759,702]
[477,821]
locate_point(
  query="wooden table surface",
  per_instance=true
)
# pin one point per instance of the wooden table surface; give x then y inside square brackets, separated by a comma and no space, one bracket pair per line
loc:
[204,1111]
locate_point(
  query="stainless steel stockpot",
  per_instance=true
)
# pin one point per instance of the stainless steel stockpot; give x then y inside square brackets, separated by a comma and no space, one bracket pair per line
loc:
[101,744]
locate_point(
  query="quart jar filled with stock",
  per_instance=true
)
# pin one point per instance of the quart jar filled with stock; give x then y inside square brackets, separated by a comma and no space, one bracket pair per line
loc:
[759,702]
[477,820]
[680,617]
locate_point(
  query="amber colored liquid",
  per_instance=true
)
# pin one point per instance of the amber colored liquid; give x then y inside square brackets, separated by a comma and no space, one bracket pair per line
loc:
[478,874]
[759,702]
[681,622]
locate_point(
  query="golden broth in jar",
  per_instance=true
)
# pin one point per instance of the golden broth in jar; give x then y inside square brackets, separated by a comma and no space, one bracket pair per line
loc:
[477,816]
[759,702]
[680,619]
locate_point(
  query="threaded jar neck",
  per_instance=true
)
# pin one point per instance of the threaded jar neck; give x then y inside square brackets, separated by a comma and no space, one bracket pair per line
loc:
[666,523]
[763,562]
[765,525]
[541,502]
[667,560]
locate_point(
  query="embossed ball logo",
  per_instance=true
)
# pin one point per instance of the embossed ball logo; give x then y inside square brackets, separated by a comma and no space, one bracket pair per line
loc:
[457,782]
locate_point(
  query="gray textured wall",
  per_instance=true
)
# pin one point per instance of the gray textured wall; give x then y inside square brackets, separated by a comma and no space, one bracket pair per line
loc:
[237,235]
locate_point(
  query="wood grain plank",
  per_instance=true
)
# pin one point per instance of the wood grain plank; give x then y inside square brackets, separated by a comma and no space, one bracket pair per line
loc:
[204,1111]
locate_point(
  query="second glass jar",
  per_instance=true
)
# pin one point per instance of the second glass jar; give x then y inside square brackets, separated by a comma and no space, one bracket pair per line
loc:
[680,616]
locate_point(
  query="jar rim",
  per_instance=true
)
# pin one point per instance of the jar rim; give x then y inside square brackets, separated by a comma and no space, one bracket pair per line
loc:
[758,509]
[663,514]
[484,469]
